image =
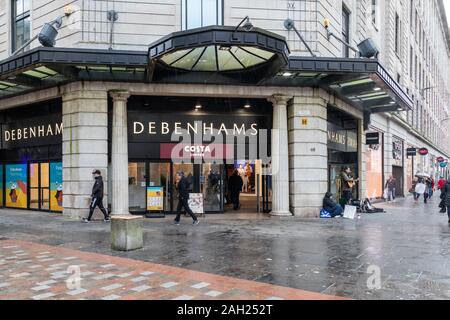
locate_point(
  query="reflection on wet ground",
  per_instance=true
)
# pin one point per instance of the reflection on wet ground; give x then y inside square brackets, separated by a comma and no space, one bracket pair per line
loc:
[408,245]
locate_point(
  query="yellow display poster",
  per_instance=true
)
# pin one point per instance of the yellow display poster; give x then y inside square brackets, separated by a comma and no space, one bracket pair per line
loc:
[16,186]
[155,199]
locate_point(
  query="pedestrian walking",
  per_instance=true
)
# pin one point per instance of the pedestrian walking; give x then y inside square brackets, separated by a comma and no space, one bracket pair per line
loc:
[419,189]
[446,197]
[235,184]
[182,184]
[390,188]
[427,194]
[97,197]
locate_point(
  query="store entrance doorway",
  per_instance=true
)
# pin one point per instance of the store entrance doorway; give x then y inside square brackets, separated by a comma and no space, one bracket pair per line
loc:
[39,186]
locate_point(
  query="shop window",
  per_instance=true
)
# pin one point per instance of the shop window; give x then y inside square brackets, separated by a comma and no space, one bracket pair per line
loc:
[345,31]
[374,170]
[20,23]
[201,13]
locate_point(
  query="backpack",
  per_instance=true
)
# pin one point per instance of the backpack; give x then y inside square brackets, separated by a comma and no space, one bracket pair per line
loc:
[324,214]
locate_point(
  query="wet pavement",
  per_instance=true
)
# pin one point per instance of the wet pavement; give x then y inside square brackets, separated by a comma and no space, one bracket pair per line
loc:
[408,247]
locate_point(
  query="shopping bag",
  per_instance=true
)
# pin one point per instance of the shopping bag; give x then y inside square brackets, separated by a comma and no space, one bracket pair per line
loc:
[324,214]
[386,193]
[350,212]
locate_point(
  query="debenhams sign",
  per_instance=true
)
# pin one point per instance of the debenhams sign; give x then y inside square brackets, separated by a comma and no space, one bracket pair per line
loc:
[15,135]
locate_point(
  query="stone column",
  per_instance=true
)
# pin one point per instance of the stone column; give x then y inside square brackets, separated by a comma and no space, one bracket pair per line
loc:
[280,157]
[85,145]
[119,154]
[308,151]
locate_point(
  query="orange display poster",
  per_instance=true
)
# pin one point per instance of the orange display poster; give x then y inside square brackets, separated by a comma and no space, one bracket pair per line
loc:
[16,185]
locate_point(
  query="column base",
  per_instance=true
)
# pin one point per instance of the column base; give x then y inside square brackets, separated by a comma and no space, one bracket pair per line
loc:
[121,213]
[281,213]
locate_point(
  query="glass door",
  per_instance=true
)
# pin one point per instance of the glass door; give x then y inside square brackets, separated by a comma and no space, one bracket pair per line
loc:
[188,169]
[34,186]
[44,186]
[137,190]
[211,186]
[39,188]
[159,176]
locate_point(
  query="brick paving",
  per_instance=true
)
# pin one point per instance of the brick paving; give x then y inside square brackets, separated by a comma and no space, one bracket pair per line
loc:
[40,272]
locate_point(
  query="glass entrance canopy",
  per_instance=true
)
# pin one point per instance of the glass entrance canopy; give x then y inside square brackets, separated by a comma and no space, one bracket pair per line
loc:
[219,49]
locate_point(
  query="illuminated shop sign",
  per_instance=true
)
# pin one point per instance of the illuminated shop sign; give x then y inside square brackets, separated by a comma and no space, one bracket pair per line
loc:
[30,132]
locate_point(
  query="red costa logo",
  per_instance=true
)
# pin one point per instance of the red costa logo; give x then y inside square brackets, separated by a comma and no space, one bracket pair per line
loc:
[440,159]
[423,151]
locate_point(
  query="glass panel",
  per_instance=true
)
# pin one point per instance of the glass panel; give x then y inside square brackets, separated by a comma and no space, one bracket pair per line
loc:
[188,170]
[227,61]
[45,183]
[171,57]
[159,174]
[16,185]
[188,61]
[26,30]
[207,61]
[35,74]
[247,59]
[193,10]
[56,186]
[46,70]
[34,198]
[259,52]
[19,7]
[45,199]
[34,175]
[137,187]
[211,185]
[209,12]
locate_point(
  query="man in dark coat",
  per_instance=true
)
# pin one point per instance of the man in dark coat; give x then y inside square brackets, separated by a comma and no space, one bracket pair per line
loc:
[235,184]
[446,197]
[97,197]
[331,206]
[183,196]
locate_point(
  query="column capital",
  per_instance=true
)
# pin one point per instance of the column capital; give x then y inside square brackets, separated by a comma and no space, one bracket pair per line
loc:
[119,95]
[279,99]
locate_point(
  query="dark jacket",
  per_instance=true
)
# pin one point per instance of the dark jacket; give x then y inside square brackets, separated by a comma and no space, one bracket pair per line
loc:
[183,188]
[446,193]
[97,189]
[235,183]
[328,203]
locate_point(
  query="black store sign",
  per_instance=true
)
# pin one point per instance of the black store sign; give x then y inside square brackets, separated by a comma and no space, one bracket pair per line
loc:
[32,132]
[147,130]
[372,138]
[411,152]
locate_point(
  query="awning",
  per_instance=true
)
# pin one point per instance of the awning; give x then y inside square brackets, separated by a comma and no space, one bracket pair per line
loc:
[209,55]
[46,67]
[361,82]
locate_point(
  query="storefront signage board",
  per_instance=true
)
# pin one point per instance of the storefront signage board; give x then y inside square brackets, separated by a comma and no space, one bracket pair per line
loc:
[155,198]
[411,152]
[440,159]
[423,151]
[195,202]
[342,140]
[372,138]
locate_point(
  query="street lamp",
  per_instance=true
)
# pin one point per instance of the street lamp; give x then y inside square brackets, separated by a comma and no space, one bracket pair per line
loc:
[47,36]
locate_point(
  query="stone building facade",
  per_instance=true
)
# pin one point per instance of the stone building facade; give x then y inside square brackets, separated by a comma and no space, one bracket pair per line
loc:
[414,44]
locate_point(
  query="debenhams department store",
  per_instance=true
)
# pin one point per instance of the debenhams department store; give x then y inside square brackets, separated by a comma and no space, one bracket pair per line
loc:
[204,101]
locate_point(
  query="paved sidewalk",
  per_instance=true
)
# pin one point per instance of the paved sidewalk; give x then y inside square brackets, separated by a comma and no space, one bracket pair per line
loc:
[40,272]
[409,245]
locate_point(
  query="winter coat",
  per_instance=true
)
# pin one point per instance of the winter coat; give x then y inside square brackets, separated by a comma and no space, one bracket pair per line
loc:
[183,188]
[235,183]
[446,193]
[97,189]
[328,203]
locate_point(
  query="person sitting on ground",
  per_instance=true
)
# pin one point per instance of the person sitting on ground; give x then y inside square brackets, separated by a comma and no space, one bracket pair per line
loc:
[331,206]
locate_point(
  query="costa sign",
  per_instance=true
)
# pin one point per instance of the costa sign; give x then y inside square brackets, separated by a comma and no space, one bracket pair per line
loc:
[423,151]
[440,159]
